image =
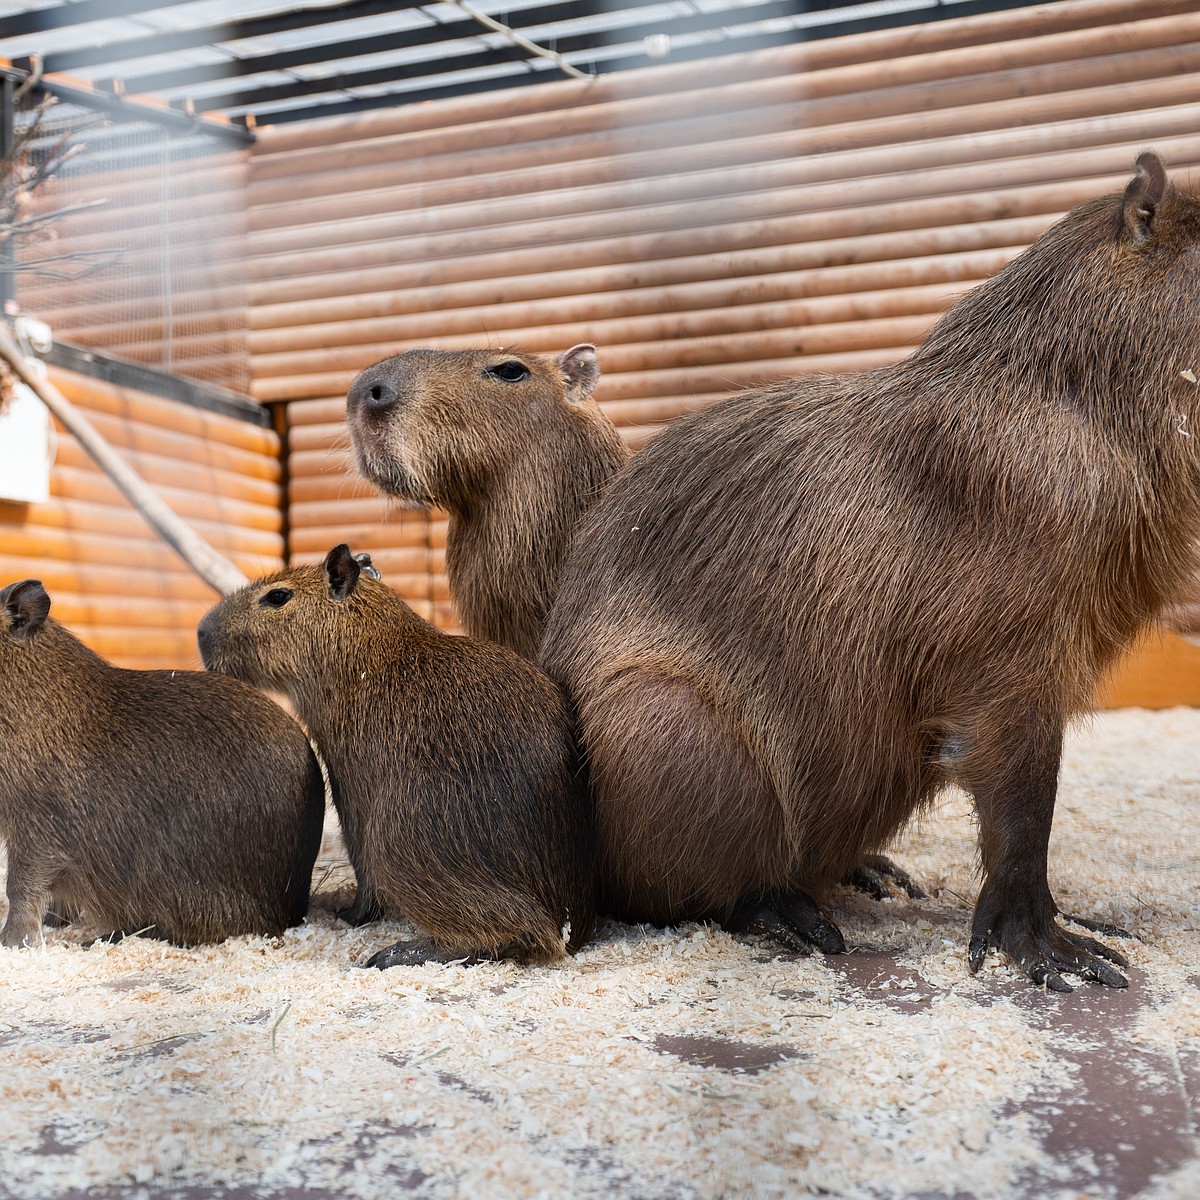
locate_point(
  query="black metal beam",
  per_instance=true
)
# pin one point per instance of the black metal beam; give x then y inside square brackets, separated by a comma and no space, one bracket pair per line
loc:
[8,141]
[607,66]
[130,110]
[119,371]
[206,35]
[269,93]
[39,20]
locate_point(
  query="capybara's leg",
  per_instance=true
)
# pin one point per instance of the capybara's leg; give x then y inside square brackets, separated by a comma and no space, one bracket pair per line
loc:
[28,893]
[1013,774]
[688,823]
[366,907]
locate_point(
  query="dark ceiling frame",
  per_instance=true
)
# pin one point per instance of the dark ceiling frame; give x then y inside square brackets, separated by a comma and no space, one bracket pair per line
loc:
[730,45]
[439,34]
[251,98]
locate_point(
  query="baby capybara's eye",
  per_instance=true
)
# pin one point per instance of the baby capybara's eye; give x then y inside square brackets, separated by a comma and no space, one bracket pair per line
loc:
[276,597]
[511,371]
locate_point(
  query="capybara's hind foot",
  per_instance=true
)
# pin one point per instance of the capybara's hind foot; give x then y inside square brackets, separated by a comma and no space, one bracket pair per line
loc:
[873,873]
[794,920]
[416,954]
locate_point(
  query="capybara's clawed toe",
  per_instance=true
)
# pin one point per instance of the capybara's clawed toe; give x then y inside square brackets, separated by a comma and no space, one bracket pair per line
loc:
[1101,927]
[417,954]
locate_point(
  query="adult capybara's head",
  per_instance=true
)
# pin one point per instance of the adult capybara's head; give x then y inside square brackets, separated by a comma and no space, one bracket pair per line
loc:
[24,608]
[287,628]
[436,426]
[1103,309]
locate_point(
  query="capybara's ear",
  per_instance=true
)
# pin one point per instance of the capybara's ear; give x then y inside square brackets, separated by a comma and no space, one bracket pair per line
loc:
[26,605]
[341,572]
[581,369]
[1143,196]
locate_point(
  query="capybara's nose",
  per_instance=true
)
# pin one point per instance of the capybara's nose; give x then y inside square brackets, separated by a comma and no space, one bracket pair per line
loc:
[371,391]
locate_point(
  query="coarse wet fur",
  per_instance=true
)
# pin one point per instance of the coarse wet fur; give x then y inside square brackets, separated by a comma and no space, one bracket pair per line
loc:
[797,615]
[453,763]
[175,803]
[516,451]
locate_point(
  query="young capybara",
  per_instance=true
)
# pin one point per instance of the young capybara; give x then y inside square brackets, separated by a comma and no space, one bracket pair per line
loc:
[452,762]
[177,803]
[515,450]
[796,616]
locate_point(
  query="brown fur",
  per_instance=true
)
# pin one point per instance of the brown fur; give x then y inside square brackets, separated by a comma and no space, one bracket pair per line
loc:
[516,463]
[452,762]
[176,802]
[797,615]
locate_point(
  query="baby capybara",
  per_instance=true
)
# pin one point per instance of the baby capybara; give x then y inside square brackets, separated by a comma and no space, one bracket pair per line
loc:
[177,803]
[796,616]
[516,451]
[452,762]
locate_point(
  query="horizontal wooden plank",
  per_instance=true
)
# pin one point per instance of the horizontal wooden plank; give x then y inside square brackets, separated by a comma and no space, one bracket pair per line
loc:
[78,523]
[782,230]
[84,482]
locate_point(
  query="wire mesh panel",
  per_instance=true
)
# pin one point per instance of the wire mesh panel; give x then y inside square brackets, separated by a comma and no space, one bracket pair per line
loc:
[134,243]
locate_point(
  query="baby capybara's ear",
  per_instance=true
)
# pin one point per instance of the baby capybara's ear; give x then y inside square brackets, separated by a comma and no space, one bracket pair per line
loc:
[580,371]
[26,607]
[1143,196]
[341,572]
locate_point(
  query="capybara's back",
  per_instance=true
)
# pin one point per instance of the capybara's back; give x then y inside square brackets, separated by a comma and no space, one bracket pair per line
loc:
[795,616]
[174,802]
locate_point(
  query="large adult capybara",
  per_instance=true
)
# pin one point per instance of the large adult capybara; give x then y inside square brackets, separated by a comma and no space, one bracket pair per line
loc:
[176,803]
[516,451]
[453,763]
[797,615]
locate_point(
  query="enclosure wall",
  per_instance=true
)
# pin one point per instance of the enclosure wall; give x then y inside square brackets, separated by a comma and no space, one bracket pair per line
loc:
[809,208]
[110,577]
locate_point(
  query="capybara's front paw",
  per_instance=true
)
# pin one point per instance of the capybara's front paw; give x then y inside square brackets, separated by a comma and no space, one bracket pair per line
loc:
[793,920]
[1039,946]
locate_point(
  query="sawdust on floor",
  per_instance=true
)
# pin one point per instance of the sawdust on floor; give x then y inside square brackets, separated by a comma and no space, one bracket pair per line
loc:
[658,1064]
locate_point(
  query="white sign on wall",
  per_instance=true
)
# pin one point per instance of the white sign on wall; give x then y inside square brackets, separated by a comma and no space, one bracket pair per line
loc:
[25,448]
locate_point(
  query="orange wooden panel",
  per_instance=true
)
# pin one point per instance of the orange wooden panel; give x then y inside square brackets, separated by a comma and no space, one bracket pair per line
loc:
[1161,672]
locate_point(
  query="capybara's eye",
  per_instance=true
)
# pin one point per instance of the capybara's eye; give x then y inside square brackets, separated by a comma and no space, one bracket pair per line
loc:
[511,371]
[276,597]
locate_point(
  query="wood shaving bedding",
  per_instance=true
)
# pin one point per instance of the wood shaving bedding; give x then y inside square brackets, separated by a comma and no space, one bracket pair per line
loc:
[663,1064]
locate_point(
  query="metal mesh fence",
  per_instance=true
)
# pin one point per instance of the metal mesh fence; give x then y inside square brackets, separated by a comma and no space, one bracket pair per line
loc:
[136,244]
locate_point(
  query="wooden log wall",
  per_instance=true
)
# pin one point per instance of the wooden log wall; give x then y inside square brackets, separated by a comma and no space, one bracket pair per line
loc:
[708,226]
[108,574]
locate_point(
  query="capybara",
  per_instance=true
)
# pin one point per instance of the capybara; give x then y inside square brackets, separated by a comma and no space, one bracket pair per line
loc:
[515,450]
[176,803]
[796,616]
[453,763]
